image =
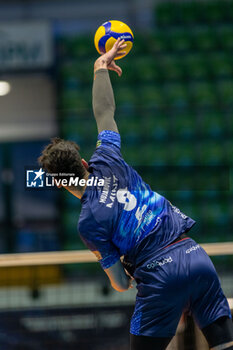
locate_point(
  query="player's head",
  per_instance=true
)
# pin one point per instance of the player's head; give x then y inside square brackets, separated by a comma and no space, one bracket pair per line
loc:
[62,157]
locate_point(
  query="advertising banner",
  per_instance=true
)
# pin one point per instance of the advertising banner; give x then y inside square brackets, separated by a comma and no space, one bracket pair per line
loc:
[94,328]
[25,45]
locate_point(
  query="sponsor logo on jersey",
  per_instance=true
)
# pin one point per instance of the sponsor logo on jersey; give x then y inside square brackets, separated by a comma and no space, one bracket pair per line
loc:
[177,210]
[193,248]
[149,217]
[156,263]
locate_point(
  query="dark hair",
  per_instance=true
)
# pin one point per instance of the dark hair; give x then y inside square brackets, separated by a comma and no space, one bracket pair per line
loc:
[61,156]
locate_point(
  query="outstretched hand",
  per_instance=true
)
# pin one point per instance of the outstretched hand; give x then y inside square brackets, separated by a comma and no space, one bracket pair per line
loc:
[107,60]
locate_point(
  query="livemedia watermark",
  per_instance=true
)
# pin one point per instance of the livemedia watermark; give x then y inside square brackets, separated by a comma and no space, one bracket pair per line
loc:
[39,179]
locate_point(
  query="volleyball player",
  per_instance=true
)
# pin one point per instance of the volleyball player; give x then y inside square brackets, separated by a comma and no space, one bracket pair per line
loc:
[126,218]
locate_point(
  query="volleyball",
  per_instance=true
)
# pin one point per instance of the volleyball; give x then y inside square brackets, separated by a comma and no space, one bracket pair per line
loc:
[107,34]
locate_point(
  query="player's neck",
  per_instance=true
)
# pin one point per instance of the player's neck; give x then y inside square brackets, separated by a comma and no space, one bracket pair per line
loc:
[78,192]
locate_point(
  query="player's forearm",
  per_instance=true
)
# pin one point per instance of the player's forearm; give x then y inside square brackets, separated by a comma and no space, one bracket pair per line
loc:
[103,99]
[122,284]
[119,280]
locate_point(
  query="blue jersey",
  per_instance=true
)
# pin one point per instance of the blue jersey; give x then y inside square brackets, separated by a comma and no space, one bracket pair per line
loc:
[117,217]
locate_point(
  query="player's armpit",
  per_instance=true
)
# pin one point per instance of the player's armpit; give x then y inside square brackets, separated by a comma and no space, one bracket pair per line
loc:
[120,281]
[103,101]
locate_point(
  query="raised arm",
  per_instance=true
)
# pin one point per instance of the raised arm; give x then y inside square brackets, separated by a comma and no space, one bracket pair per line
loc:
[102,94]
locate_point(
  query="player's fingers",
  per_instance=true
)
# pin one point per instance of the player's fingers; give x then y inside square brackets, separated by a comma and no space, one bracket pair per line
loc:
[120,53]
[119,71]
[122,47]
[121,42]
[111,54]
[116,69]
[116,44]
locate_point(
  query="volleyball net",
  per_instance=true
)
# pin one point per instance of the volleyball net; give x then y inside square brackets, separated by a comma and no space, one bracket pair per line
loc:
[63,299]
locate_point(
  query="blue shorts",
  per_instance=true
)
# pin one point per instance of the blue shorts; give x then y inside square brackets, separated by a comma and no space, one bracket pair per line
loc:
[181,277]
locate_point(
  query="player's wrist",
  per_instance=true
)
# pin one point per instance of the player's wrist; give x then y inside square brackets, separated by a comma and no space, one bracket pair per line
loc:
[100,63]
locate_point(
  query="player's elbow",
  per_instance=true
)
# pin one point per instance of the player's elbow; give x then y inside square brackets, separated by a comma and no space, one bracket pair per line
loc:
[118,278]
[104,114]
[119,288]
